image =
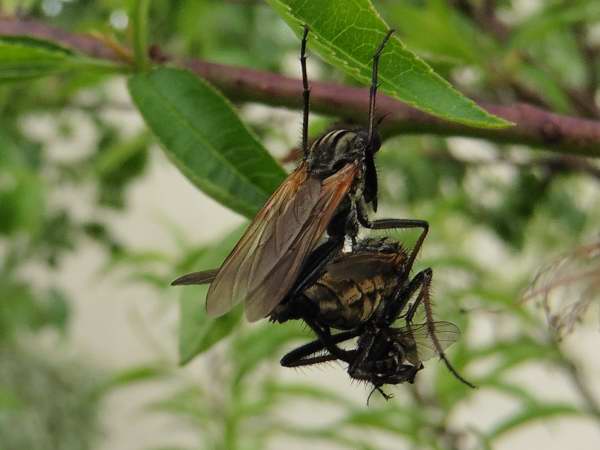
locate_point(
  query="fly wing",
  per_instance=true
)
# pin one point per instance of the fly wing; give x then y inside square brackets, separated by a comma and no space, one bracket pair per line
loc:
[359,266]
[289,256]
[417,339]
[204,277]
[267,260]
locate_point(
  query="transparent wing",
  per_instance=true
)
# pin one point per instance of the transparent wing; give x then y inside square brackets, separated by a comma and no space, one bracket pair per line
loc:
[418,339]
[267,260]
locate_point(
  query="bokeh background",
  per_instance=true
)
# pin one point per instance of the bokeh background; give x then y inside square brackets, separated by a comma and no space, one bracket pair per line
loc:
[95,222]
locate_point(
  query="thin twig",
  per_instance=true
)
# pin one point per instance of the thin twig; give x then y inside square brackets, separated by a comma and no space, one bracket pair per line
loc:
[555,164]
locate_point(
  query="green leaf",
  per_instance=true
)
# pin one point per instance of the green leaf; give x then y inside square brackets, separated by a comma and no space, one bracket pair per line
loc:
[9,401]
[346,34]
[112,159]
[24,58]
[397,420]
[309,392]
[129,376]
[448,34]
[205,139]
[530,414]
[31,42]
[198,332]
[260,344]
[513,390]
[187,401]
[552,17]
[326,433]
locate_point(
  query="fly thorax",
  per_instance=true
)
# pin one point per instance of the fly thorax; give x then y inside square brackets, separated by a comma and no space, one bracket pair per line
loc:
[359,189]
[335,149]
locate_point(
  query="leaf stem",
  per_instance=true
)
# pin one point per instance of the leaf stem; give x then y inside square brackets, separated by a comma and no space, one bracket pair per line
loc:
[139,21]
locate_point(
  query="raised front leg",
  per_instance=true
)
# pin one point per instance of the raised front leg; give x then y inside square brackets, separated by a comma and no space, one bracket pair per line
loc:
[305,93]
[388,224]
[375,84]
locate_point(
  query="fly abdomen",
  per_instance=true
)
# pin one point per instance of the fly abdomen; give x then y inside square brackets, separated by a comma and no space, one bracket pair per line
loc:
[345,304]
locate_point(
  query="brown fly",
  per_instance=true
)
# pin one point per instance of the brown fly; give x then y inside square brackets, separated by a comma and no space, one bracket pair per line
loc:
[329,192]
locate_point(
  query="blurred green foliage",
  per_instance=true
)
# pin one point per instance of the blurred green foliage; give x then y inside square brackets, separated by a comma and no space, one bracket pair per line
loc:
[46,403]
[497,213]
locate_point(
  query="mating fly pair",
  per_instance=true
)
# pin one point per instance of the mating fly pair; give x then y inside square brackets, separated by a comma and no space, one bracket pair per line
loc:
[283,254]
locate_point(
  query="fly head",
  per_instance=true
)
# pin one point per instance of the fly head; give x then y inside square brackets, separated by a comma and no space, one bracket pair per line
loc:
[384,359]
[335,149]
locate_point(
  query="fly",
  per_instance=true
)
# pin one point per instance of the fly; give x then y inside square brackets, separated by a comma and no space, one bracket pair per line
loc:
[364,293]
[283,251]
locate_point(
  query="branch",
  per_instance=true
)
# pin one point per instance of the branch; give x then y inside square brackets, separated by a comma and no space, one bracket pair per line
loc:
[534,126]
[560,164]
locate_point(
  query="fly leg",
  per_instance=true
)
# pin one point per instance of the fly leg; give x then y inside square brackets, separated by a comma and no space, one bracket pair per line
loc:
[374,84]
[365,344]
[400,299]
[388,224]
[305,355]
[404,373]
[373,140]
[383,394]
[425,299]
[324,335]
[305,93]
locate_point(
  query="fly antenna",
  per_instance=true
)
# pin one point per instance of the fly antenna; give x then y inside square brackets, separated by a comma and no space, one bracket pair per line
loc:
[373,90]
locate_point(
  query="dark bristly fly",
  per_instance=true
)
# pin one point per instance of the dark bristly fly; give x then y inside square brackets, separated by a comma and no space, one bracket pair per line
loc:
[364,292]
[283,250]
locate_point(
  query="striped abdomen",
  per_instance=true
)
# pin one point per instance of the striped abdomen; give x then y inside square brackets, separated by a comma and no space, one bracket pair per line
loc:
[346,303]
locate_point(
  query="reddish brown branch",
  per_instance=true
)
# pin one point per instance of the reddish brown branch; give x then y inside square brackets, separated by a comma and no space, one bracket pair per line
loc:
[534,126]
